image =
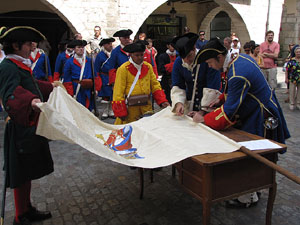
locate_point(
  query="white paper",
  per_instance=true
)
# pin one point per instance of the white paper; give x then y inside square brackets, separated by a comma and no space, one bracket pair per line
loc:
[259,144]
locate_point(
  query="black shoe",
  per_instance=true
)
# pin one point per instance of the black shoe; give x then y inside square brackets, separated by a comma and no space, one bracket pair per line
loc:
[35,215]
[236,204]
[22,221]
[132,167]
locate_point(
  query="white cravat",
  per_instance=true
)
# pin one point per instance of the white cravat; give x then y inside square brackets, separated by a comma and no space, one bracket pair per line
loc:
[79,59]
[138,67]
[170,53]
[27,62]
[189,67]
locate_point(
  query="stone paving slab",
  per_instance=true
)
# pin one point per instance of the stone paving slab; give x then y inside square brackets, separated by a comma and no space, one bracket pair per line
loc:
[88,190]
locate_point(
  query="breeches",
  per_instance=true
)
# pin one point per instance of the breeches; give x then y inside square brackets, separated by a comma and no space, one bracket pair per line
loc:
[271,76]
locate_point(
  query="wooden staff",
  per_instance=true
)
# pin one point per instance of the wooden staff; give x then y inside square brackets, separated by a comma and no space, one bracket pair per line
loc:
[94,96]
[274,166]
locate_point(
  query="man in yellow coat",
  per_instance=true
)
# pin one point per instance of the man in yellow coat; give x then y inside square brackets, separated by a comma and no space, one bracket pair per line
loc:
[135,81]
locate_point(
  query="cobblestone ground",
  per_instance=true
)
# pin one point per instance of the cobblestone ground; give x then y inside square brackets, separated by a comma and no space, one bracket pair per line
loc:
[86,189]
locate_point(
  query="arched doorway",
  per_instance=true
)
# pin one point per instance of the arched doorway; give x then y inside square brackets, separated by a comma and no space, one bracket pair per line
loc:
[220,26]
[50,24]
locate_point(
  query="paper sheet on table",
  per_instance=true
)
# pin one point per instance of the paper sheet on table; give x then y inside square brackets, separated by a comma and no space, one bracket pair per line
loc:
[259,144]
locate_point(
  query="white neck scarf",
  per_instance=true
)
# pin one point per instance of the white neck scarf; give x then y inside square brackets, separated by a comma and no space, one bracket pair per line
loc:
[34,53]
[189,67]
[170,53]
[106,52]
[138,67]
[79,58]
[69,53]
[27,62]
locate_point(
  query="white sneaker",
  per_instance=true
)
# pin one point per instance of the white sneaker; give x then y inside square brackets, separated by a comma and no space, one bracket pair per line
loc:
[292,107]
[110,111]
[105,112]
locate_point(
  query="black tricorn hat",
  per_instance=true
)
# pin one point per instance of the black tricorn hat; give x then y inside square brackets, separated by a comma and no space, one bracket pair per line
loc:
[64,42]
[211,49]
[106,41]
[185,43]
[138,46]
[21,33]
[74,43]
[123,33]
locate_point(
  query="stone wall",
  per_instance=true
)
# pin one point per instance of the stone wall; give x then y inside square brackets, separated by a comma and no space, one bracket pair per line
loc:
[248,16]
[289,26]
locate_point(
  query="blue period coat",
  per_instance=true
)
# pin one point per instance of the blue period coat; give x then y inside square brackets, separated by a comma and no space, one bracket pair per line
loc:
[71,76]
[117,58]
[100,70]
[183,79]
[248,101]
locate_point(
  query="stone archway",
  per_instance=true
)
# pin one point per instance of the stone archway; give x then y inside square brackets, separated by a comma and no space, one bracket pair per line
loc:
[237,24]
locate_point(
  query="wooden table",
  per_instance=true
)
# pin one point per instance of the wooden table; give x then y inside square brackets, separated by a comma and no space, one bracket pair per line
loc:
[218,177]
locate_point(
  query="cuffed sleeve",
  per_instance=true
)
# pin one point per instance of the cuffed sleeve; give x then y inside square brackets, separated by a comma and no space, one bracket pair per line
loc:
[119,108]
[159,97]
[218,119]
[18,107]
[46,88]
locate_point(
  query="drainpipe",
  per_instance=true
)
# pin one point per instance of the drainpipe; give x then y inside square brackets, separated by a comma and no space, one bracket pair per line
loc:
[268,15]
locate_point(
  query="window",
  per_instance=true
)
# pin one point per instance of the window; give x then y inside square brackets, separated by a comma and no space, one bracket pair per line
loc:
[220,26]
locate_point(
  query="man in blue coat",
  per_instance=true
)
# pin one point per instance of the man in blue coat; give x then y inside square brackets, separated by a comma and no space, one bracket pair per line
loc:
[78,76]
[106,89]
[40,64]
[61,61]
[249,104]
[118,55]
[184,73]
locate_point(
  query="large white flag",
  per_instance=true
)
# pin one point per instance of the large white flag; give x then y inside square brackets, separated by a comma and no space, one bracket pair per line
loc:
[159,140]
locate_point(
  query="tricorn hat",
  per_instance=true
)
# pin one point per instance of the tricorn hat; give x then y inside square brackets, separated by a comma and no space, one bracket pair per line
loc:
[21,33]
[74,43]
[123,33]
[138,46]
[211,49]
[185,43]
[106,41]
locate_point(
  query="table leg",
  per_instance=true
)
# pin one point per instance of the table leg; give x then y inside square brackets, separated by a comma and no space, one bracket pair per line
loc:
[207,194]
[173,171]
[271,199]
[206,204]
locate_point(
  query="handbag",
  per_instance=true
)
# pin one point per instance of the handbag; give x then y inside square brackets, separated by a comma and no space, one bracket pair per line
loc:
[138,100]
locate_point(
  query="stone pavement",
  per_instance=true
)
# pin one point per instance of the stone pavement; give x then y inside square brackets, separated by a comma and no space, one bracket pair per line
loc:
[88,190]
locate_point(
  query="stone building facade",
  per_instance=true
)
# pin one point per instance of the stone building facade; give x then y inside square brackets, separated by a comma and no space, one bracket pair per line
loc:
[248,16]
[290,26]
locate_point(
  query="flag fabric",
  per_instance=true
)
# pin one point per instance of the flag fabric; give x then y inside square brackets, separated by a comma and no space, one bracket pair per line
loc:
[159,140]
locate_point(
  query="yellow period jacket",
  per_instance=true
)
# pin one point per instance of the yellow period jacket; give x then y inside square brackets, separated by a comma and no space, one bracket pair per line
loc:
[146,84]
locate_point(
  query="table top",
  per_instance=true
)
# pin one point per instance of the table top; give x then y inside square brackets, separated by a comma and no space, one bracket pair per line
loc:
[211,159]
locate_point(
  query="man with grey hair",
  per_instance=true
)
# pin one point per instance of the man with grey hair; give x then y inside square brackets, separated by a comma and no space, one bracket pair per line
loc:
[227,44]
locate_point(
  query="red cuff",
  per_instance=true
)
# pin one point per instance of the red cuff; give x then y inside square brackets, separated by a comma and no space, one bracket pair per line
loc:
[112,76]
[222,97]
[169,67]
[119,108]
[218,119]
[56,76]
[69,88]
[98,83]
[18,107]
[50,79]
[46,88]
[159,97]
